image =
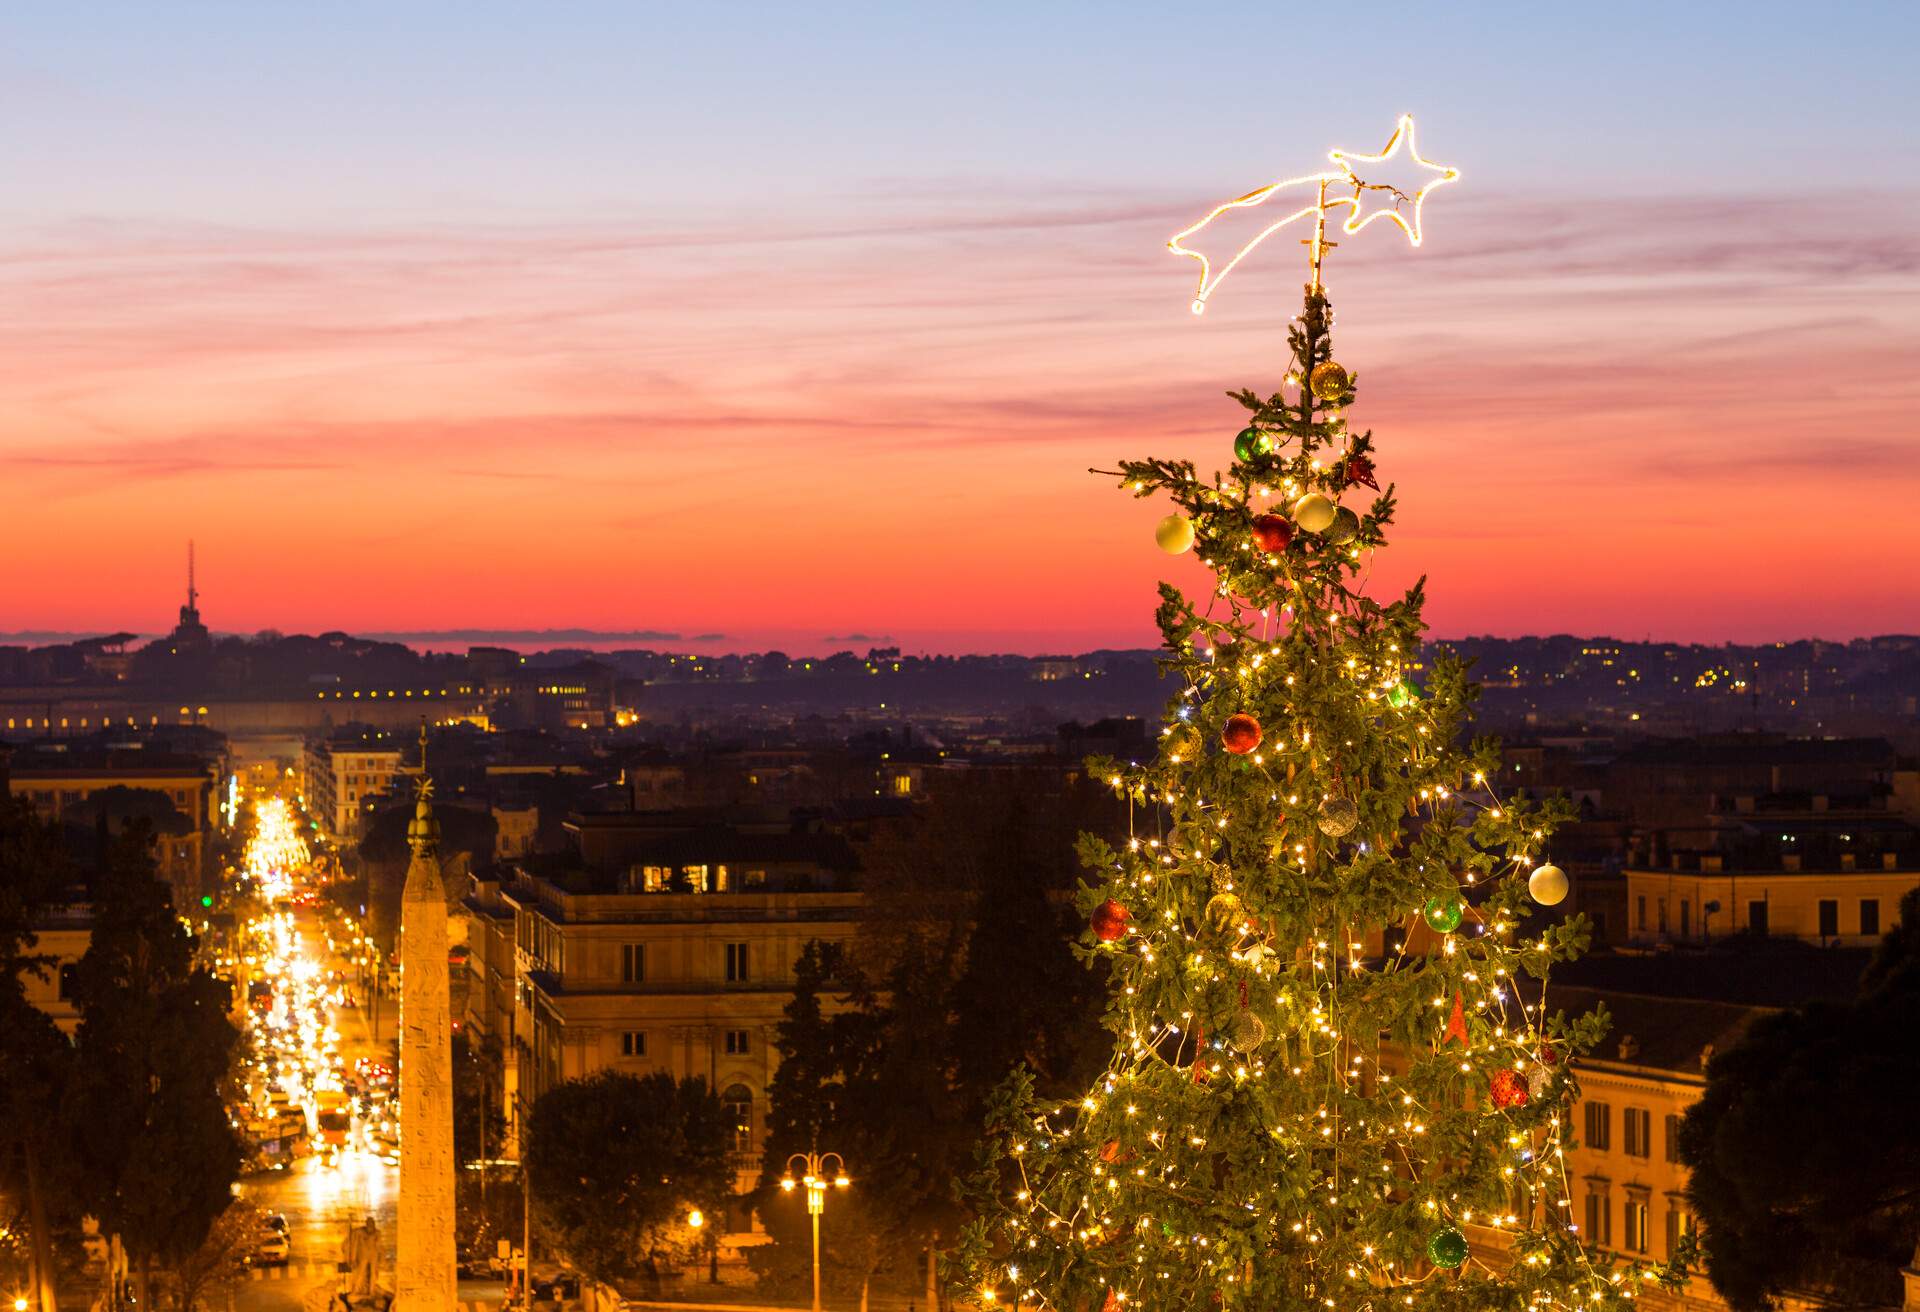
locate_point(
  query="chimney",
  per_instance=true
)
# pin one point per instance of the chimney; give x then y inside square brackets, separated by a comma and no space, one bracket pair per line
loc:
[1706,1055]
[1889,861]
[1790,861]
[1847,861]
[1629,1047]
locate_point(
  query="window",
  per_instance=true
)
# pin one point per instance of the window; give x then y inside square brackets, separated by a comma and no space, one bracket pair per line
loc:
[1679,1225]
[1673,1137]
[1633,1224]
[1829,918]
[69,977]
[1599,1126]
[736,1042]
[739,1101]
[1599,1217]
[633,963]
[633,1043]
[1686,909]
[1869,915]
[1660,910]
[1636,1131]
[1757,917]
[736,963]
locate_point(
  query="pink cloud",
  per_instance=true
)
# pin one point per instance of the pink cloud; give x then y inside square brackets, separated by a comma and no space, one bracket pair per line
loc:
[1690,417]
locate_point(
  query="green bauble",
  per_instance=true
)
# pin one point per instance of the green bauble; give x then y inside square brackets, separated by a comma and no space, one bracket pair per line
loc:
[1447,1248]
[1443,913]
[1252,444]
[1402,695]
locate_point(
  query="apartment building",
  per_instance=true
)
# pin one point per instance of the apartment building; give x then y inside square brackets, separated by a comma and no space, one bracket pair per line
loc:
[176,795]
[1627,1181]
[685,969]
[341,772]
[1702,897]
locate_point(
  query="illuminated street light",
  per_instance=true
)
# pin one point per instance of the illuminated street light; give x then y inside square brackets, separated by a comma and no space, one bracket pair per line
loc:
[815,1178]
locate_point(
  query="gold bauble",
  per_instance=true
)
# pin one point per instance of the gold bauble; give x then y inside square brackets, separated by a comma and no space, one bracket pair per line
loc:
[1174,534]
[1223,911]
[1246,1031]
[1329,380]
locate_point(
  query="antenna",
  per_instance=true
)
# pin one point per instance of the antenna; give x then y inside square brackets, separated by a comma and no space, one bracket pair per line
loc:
[193,595]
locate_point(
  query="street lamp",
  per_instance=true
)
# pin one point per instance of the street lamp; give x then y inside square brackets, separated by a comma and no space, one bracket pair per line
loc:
[816,1179]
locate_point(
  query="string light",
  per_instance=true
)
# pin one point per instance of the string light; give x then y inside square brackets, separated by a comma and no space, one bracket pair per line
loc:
[1309,194]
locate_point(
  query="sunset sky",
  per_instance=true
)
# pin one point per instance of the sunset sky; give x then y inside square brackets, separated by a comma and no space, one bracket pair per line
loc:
[791,323]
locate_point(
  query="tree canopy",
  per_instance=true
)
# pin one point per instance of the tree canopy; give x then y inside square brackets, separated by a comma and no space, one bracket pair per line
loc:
[154,1155]
[1836,1214]
[617,1160]
[893,1044]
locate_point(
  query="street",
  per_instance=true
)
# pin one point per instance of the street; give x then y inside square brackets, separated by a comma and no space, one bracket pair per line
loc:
[320,1090]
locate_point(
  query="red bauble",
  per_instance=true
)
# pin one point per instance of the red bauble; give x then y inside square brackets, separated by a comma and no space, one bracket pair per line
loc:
[1271,533]
[1360,470]
[1509,1089]
[1110,920]
[1241,735]
[1548,1057]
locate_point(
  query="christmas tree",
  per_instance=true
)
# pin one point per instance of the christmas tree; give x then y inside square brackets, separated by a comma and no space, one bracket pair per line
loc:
[1336,1081]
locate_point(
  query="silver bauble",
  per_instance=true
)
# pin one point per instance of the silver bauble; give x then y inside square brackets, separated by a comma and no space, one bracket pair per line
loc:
[1338,816]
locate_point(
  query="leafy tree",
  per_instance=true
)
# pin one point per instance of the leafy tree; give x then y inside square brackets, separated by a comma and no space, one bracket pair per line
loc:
[892,1047]
[616,1161]
[154,1154]
[34,1055]
[216,1265]
[831,1093]
[1836,1215]
[478,1123]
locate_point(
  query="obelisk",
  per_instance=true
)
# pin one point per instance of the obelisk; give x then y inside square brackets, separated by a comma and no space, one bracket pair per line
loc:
[424,1277]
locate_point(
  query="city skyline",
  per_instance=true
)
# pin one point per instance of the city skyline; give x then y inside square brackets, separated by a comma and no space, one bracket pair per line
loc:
[475,326]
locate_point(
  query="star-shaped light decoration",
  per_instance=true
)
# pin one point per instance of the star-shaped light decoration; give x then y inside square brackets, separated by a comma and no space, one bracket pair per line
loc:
[1360,214]
[1319,195]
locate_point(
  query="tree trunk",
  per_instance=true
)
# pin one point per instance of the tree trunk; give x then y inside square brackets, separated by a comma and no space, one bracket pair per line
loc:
[865,1282]
[37,1222]
[146,1280]
[933,1279]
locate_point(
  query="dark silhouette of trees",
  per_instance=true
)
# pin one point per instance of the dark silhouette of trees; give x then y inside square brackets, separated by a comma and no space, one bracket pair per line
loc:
[963,972]
[616,1161]
[153,1154]
[33,1053]
[1804,1150]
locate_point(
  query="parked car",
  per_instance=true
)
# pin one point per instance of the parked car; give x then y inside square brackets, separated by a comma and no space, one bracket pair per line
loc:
[273,1248]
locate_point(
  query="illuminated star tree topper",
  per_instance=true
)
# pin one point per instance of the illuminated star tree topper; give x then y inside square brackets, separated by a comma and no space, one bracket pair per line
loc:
[1349,193]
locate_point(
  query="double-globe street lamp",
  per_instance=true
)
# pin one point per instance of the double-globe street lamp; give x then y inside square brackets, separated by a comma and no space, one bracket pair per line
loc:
[816,1177]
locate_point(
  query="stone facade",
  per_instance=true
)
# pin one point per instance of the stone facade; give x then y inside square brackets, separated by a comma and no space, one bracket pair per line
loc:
[424,1273]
